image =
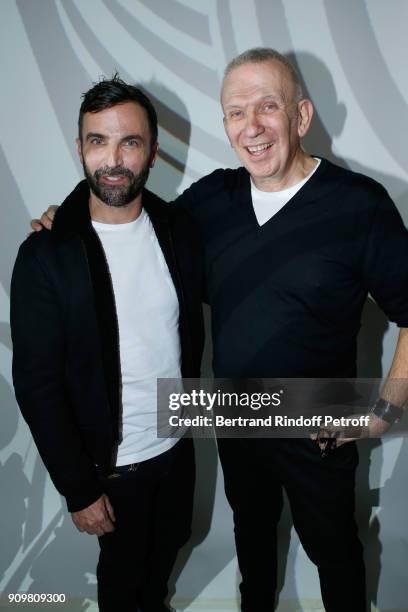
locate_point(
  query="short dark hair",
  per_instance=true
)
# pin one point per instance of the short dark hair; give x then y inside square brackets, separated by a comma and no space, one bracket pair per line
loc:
[110,92]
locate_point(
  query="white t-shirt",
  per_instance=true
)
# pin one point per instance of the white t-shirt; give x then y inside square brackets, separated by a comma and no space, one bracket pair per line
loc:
[148,314]
[267,203]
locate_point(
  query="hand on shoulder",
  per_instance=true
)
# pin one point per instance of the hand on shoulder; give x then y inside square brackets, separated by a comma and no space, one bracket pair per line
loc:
[46,219]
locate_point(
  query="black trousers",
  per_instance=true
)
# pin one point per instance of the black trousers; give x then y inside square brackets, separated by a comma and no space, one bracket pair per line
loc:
[153,510]
[321,496]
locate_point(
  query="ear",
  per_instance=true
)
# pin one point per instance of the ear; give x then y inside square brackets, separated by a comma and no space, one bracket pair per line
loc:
[153,154]
[305,114]
[79,150]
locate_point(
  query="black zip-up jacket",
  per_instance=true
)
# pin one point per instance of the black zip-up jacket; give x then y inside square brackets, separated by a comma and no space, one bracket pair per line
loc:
[66,366]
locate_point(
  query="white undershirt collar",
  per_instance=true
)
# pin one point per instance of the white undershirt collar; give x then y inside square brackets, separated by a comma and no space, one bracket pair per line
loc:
[267,203]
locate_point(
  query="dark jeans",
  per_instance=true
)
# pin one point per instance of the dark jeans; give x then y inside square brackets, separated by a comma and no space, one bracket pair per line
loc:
[321,496]
[153,511]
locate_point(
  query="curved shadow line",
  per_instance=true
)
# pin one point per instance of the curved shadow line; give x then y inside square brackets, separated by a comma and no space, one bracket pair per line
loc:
[182,17]
[272,24]
[76,79]
[197,74]
[15,225]
[205,143]
[53,52]
[15,580]
[172,161]
[355,21]
[5,335]
[228,36]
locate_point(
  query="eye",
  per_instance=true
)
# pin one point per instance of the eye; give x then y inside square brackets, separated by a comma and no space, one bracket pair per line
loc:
[235,114]
[132,142]
[269,107]
[96,140]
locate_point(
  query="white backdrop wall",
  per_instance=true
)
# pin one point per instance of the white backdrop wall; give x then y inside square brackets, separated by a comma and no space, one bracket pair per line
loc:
[352,58]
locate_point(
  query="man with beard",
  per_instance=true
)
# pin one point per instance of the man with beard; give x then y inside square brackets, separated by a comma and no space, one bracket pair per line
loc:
[102,306]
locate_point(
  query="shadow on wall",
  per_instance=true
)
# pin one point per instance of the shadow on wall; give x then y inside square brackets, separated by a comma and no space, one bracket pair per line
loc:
[328,123]
[14,228]
[70,558]
[388,528]
[24,513]
[31,541]
[173,117]
[14,482]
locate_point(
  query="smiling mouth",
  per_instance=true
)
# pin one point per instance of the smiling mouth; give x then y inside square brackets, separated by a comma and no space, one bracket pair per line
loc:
[112,179]
[258,149]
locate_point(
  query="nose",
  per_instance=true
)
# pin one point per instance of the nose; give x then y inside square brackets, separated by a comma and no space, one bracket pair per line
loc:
[253,126]
[114,156]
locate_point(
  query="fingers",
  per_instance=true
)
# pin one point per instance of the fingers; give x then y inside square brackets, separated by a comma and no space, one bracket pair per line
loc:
[50,213]
[46,221]
[51,210]
[100,531]
[109,509]
[95,519]
[346,434]
[94,526]
[36,225]
[329,438]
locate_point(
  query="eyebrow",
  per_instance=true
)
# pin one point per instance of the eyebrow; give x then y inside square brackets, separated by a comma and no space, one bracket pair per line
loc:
[279,97]
[135,136]
[91,135]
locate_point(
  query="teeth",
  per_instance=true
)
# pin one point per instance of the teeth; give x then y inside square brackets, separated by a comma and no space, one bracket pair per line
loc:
[260,147]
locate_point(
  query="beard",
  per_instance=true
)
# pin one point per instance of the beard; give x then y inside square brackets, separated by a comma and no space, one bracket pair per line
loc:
[116,195]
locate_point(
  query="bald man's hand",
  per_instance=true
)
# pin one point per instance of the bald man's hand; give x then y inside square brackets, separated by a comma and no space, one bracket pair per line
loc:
[96,519]
[46,220]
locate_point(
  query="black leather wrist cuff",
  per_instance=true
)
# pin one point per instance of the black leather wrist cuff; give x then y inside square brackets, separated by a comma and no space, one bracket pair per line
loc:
[386,411]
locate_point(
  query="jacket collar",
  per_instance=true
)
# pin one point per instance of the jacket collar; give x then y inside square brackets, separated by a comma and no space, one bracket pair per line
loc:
[73,215]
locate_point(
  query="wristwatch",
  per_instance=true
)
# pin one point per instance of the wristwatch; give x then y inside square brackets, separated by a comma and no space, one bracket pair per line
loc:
[386,411]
